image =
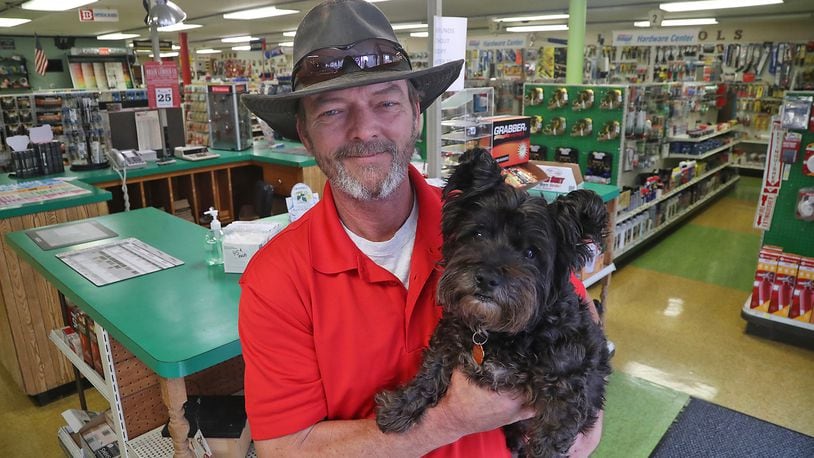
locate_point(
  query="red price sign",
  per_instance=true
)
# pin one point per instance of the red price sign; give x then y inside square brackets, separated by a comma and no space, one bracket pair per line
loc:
[162,84]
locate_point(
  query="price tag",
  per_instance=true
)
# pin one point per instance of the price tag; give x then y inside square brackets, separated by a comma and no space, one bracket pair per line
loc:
[163,97]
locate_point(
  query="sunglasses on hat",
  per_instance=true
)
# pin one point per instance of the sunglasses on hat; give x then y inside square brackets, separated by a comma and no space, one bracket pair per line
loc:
[373,54]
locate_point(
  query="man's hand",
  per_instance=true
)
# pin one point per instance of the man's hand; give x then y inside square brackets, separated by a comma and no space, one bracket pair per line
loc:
[585,444]
[468,408]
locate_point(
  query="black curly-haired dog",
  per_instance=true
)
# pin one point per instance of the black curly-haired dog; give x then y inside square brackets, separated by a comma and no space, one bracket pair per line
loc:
[512,320]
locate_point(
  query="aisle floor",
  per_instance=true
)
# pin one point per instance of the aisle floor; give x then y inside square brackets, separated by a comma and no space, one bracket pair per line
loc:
[673,313]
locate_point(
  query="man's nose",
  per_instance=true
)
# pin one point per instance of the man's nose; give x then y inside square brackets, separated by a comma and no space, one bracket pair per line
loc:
[363,125]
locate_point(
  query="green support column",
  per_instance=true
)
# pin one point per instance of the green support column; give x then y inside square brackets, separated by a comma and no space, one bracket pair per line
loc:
[577,10]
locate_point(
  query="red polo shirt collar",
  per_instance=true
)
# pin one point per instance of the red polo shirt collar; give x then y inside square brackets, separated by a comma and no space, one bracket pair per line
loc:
[347,256]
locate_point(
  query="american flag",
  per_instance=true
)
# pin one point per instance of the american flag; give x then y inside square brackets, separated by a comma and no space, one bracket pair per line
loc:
[40,59]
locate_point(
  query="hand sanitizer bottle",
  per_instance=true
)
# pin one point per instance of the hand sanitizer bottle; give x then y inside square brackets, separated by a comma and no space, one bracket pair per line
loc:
[214,239]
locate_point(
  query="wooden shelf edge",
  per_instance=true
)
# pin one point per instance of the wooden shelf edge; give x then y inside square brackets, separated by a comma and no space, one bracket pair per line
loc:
[595,278]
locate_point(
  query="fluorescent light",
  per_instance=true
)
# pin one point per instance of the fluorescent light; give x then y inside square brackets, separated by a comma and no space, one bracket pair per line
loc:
[117,36]
[242,39]
[286,44]
[242,48]
[538,28]
[408,26]
[178,27]
[679,22]
[420,34]
[55,5]
[166,54]
[290,33]
[12,21]
[714,4]
[176,48]
[143,51]
[375,1]
[258,13]
[207,51]
[547,17]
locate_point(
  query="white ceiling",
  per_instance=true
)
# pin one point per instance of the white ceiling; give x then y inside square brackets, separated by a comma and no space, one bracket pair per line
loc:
[615,13]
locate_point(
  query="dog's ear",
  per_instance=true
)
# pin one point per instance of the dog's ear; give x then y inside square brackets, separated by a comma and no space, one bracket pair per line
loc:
[580,218]
[477,171]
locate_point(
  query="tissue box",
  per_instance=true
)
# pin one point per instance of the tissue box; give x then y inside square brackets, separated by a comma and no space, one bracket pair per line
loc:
[242,239]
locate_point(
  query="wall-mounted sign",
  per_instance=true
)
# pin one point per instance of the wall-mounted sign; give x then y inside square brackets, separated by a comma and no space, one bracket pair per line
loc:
[498,42]
[99,52]
[258,45]
[449,44]
[98,15]
[655,37]
[7,43]
[161,79]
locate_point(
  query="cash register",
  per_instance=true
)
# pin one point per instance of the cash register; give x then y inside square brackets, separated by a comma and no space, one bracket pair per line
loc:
[194,153]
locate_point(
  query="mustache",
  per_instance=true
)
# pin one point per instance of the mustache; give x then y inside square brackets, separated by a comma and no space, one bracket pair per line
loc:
[366,148]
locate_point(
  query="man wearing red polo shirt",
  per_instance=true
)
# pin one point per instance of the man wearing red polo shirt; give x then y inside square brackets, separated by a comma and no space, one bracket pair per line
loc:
[341,304]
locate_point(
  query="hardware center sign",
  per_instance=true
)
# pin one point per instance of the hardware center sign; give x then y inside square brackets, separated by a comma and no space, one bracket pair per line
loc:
[655,37]
[162,84]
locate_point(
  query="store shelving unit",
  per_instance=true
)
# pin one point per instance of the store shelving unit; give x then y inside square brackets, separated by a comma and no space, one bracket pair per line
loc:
[465,124]
[787,232]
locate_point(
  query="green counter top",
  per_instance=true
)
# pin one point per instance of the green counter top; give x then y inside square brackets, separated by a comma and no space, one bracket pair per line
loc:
[606,192]
[177,321]
[93,196]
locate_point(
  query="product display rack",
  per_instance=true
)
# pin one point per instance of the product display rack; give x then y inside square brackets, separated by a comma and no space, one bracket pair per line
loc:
[578,124]
[791,234]
[13,74]
[465,124]
[196,114]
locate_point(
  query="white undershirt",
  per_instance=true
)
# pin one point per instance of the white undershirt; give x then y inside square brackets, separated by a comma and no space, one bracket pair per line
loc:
[394,254]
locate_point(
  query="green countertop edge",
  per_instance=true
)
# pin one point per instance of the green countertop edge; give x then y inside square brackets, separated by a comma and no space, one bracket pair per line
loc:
[19,241]
[637,415]
[95,195]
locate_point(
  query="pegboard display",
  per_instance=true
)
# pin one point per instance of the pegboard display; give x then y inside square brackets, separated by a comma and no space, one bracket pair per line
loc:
[787,231]
[583,124]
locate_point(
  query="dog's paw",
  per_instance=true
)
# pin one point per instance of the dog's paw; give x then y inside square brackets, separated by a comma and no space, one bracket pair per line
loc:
[390,413]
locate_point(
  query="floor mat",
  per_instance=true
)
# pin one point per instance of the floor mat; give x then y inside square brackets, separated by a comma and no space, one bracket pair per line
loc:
[707,430]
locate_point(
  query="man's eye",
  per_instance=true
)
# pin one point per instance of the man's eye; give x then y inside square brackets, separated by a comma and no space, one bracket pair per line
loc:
[389,104]
[329,113]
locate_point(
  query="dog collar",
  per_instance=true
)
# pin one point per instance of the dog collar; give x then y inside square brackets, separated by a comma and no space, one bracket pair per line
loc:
[479,338]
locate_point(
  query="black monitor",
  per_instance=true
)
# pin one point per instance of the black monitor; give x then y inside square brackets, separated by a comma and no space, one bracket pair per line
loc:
[123,133]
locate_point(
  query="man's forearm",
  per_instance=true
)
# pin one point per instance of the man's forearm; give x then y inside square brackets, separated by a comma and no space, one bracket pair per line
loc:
[361,438]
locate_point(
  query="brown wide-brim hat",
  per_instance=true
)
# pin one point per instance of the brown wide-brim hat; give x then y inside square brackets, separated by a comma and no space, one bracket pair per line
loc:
[336,23]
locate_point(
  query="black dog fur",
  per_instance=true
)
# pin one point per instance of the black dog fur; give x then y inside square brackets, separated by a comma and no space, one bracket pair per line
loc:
[508,258]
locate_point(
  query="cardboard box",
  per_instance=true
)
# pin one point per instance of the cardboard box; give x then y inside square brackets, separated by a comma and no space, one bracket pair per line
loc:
[783,285]
[511,144]
[764,278]
[562,177]
[524,176]
[594,265]
[802,299]
[231,448]
[99,439]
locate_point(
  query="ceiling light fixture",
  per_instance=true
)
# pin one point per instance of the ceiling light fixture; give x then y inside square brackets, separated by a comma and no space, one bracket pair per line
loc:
[164,14]
[207,51]
[240,39]
[286,44]
[538,28]
[290,33]
[242,48]
[420,34]
[679,22]
[12,21]
[714,5]
[410,25]
[117,36]
[258,13]
[547,17]
[178,27]
[55,5]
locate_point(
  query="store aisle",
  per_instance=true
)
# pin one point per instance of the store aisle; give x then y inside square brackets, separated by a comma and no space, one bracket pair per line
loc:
[674,314]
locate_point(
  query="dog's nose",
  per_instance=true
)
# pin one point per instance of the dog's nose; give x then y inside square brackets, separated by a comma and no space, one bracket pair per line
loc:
[487,279]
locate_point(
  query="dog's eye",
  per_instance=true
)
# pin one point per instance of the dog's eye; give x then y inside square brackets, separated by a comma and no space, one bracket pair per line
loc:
[530,254]
[477,233]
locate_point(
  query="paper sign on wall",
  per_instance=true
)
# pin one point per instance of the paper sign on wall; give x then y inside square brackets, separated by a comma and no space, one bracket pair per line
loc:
[162,84]
[449,44]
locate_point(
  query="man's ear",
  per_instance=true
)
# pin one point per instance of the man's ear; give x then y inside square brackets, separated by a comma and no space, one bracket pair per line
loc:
[580,218]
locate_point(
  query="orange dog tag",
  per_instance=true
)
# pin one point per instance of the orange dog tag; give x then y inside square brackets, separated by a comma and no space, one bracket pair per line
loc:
[477,353]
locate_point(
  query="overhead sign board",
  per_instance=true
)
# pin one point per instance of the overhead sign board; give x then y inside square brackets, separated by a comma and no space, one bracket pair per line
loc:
[656,37]
[98,15]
